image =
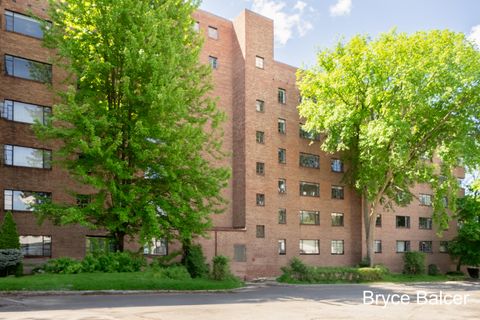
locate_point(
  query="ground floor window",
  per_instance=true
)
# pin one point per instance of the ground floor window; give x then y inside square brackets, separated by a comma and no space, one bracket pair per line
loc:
[99,244]
[239,253]
[377,246]
[36,246]
[158,247]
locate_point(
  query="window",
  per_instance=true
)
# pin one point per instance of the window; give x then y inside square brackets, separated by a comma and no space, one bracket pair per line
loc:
[402,221]
[425,223]
[377,246]
[212,32]
[259,106]
[260,168]
[309,217]
[403,246]
[443,248]
[260,136]
[378,221]
[22,200]
[99,244]
[282,126]
[157,247]
[337,219]
[309,246]
[425,246]
[83,200]
[239,253]
[27,157]
[309,189]
[24,112]
[28,69]
[282,96]
[282,155]
[196,26]
[36,246]
[19,23]
[259,62]
[337,192]
[337,247]
[282,216]
[213,62]
[282,186]
[336,165]
[260,231]
[304,134]
[425,199]
[309,160]
[282,246]
[260,199]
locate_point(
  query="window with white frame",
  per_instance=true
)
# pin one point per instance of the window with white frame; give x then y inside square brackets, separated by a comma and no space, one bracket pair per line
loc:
[259,105]
[282,126]
[403,246]
[377,246]
[27,157]
[425,223]
[259,62]
[282,155]
[402,222]
[309,217]
[282,246]
[282,186]
[260,199]
[308,246]
[212,32]
[282,96]
[213,62]
[337,247]
[282,216]
[336,165]
[260,168]
[425,199]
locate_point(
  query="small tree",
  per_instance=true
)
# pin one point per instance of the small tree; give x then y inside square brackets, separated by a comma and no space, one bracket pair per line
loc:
[10,254]
[9,238]
[465,247]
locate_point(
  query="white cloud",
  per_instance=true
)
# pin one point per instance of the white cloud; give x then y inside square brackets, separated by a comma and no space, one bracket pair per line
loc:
[474,35]
[285,22]
[341,8]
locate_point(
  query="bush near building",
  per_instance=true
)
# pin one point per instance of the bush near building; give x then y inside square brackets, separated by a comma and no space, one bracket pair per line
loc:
[10,254]
[414,262]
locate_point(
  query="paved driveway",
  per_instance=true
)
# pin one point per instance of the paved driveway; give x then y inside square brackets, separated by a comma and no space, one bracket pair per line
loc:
[261,301]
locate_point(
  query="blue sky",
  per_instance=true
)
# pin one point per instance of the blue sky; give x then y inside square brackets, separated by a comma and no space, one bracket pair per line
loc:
[304,26]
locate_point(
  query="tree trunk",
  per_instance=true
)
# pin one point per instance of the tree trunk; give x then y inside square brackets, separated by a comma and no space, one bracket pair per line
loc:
[370,218]
[119,240]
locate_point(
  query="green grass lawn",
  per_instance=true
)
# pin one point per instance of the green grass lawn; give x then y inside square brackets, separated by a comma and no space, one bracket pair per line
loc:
[110,281]
[399,277]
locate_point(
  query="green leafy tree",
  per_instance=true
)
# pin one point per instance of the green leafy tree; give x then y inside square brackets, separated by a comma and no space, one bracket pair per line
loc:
[465,247]
[389,105]
[138,126]
[9,238]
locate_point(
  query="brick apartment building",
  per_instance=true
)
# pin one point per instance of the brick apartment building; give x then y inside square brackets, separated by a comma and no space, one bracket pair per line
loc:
[285,198]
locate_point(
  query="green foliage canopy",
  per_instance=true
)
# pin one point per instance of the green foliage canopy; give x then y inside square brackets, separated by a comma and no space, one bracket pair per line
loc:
[390,104]
[137,127]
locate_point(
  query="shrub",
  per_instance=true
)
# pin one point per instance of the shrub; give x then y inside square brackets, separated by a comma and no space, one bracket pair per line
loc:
[414,263]
[175,273]
[63,265]
[194,261]
[433,270]
[165,261]
[383,269]
[370,274]
[365,263]
[221,268]
[455,273]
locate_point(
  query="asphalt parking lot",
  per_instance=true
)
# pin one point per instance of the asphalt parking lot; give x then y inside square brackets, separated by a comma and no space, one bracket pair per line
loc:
[449,300]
